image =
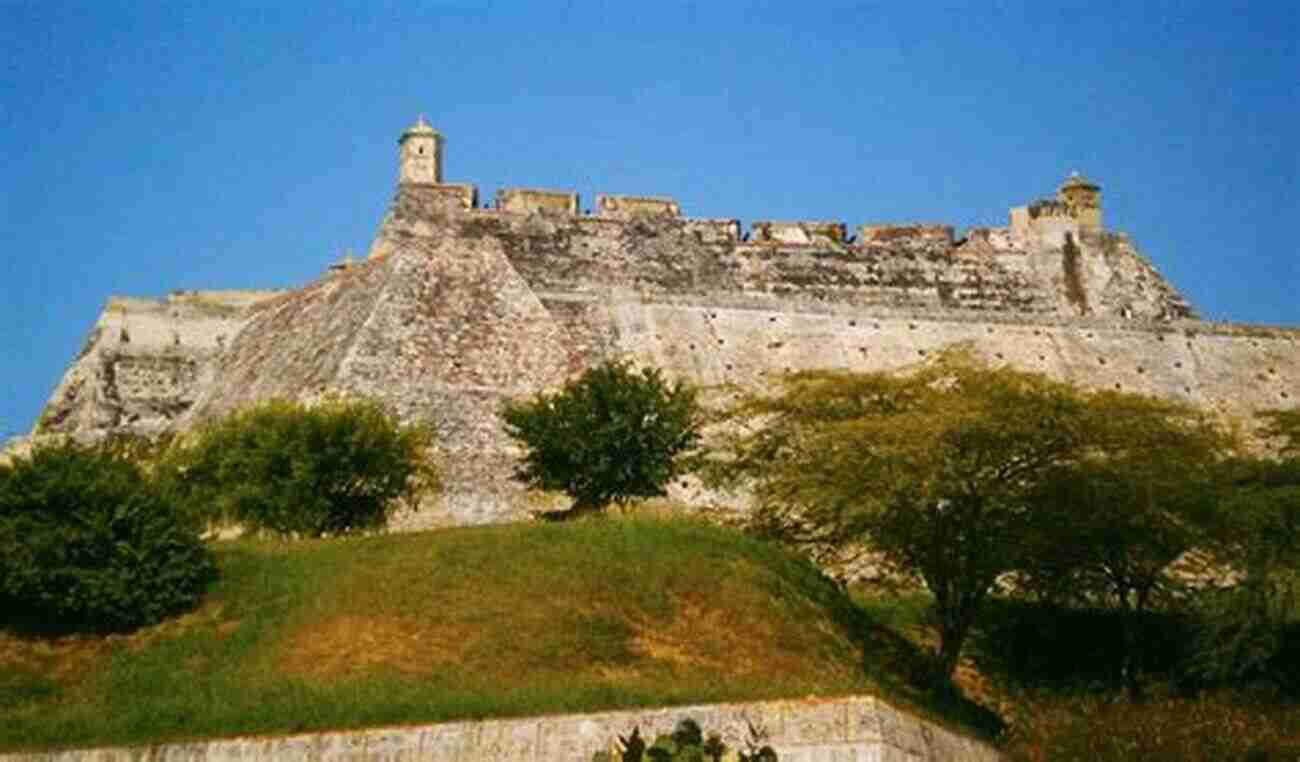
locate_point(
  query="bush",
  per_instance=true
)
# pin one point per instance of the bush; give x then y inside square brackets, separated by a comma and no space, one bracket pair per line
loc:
[334,468]
[687,743]
[612,435]
[88,544]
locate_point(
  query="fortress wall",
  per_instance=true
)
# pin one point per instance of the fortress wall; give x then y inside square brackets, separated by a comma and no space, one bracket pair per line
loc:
[1236,374]
[144,362]
[813,730]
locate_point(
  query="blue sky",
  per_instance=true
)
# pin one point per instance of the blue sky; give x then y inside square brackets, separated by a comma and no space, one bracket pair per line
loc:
[147,147]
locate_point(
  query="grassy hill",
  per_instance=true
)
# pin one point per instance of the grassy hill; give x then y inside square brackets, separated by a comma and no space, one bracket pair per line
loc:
[470,622]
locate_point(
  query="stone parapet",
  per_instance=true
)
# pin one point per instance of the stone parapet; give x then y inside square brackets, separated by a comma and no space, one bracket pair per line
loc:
[797,233]
[813,730]
[894,235]
[534,201]
[714,231]
[636,206]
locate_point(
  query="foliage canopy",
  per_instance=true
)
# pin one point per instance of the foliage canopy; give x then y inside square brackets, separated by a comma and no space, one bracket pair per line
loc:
[939,472]
[88,544]
[612,435]
[335,467]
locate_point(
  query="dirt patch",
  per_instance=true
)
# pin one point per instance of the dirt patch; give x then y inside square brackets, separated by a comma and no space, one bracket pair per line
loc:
[349,645]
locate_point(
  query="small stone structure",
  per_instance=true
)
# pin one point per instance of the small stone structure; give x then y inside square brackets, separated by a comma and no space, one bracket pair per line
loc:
[816,730]
[533,201]
[625,207]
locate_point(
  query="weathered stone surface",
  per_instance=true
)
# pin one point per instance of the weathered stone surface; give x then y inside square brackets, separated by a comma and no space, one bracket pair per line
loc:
[815,730]
[457,308]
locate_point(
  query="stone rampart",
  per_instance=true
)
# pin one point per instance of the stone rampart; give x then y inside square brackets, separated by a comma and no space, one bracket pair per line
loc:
[814,730]
[144,362]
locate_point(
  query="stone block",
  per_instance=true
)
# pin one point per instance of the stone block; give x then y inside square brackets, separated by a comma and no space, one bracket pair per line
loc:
[626,207]
[536,201]
[714,231]
[800,233]
[894,235]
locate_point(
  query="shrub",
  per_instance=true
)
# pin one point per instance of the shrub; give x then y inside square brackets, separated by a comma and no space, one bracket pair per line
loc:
[687,743]
[333,468]
[610,436]
[88,544]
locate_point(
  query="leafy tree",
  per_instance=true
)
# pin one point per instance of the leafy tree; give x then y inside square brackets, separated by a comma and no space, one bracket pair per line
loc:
[1130,523]
[934,470]
[610,436]
[336,467]
[1243,628]
[88,544]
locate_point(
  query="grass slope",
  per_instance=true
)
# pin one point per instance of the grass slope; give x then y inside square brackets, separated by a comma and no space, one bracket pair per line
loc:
[471,622]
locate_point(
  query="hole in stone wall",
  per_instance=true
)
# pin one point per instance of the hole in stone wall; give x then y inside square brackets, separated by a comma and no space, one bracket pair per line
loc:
[1178,363]
[1038,333]
[692,346]
[1285,396]
[911,326]
[1160,337]
[998,355]
[990,329]
[877,326]
[1119,386]
[1141,370]
[728,366]
[1187,389]
[772,319]
[863,350]
[1101,360]
[853,324]
[921,352]
[721,342]
[1042,358]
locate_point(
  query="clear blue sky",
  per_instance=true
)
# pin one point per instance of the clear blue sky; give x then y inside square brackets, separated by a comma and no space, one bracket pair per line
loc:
[147,147]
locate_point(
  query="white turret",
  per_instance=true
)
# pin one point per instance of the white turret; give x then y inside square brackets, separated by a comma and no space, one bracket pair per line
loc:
[420,152]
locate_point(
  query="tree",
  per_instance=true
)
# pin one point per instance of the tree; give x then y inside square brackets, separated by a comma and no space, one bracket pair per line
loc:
[88,544]
[336,467]
[934,470]
[1131,522]
[611,435]
[1242,629]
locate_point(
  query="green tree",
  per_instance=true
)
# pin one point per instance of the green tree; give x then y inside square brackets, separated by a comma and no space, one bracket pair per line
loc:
[1131,523]
[88,544]
[935,471]
[1242,628]
[335,467]
[610,436]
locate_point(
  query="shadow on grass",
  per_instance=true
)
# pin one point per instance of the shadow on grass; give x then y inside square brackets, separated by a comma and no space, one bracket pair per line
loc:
[905,671]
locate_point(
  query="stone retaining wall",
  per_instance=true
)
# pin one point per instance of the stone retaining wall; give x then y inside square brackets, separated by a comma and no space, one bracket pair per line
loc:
[851,729]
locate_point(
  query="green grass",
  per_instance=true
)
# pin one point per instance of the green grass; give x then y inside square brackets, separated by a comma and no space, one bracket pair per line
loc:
[461,623]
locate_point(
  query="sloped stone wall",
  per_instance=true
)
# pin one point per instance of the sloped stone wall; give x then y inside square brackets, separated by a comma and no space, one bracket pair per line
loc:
[830,730]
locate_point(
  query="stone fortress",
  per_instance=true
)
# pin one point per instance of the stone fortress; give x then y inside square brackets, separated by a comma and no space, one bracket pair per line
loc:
[460,305]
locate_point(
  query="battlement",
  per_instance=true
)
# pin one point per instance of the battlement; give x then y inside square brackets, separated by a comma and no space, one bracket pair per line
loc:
[799,233]
[1043,224]
[534,200]
[893,235]
[626,207]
